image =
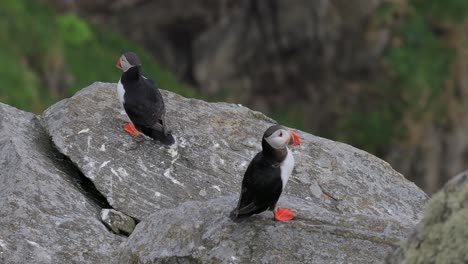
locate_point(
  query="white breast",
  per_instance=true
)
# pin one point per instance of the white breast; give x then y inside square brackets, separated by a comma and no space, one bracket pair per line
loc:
[120,92]
[287,167]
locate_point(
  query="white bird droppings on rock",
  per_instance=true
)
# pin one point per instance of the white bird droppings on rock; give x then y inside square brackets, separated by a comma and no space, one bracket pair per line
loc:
[141,164]
[114,172]
[90,165]
[103,147]
[183,142]
[86,130]
[122,172]
[217,188]
[202,192]
[175,156]
[88,143]
[32,243]
[167,174]
[243,164]
[105,214]
[2,244]
[173,151]
[104,164]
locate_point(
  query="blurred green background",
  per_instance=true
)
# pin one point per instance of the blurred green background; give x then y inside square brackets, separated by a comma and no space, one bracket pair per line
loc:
[36,43]
[389,77]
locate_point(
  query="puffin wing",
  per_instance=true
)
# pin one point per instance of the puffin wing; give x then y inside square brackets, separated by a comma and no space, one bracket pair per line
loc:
[143,114]
[146,107]
[152,92]
[260,188]
[246,203]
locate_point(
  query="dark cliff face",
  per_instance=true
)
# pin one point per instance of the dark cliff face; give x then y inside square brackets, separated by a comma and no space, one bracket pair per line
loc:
[265,54]
[60,169]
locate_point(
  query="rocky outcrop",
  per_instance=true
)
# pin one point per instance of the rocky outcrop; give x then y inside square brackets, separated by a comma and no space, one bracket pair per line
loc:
[201,232]
[442,236]
[215,143]
[73,171]
[48,211]
[341,195]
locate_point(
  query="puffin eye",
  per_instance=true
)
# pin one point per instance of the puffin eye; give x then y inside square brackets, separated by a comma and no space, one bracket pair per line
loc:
[281,134]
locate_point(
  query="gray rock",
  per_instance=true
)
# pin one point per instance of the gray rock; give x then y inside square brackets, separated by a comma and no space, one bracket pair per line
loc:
[118,222]
[351,206]
[215,143]
[47,212]
[211,152]
[201,232]
[442,236]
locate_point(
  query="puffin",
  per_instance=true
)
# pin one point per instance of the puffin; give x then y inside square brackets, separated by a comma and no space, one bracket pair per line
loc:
[267,175]
[142,101]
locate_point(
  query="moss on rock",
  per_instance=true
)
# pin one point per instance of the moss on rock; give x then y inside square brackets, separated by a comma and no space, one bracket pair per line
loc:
[442,236]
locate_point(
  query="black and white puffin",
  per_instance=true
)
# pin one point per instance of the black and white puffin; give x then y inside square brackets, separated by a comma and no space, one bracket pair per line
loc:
[267,175]
[142,101]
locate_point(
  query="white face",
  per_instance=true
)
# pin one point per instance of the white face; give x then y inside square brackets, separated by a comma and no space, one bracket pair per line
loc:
[279,139]
[125,64]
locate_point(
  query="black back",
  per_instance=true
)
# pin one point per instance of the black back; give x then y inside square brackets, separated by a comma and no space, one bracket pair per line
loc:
[261,187]
[142,100]
[144,105]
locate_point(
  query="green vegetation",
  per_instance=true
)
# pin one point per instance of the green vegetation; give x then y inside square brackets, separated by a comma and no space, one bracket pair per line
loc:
[442,234]
[452,10]
[371,130]
[419,68]
[292,116]
[36,43]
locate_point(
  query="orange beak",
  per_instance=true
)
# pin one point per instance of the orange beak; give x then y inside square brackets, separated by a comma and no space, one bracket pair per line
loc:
[118,63]
[294,139]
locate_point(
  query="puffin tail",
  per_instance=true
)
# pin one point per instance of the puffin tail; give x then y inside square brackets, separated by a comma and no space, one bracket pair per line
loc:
[237,216]
[234,215]
[167,139]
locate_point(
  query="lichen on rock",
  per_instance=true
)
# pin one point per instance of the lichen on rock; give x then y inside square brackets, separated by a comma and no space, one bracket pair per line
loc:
[118,222]
[442,236]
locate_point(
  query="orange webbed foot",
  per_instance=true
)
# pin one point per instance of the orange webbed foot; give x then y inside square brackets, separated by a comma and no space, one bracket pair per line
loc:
[129,128]
[283,214]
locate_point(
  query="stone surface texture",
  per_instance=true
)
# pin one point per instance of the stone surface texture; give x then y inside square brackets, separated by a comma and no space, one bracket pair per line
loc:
[117,221]
[73,166]
[215,143]
[201,232]
[47,214]
[350,206]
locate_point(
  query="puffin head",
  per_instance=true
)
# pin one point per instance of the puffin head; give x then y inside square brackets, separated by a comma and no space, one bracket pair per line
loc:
[127,61]
[279,137]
